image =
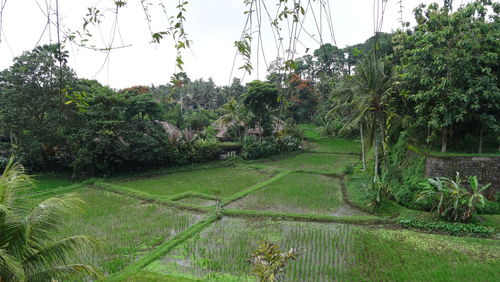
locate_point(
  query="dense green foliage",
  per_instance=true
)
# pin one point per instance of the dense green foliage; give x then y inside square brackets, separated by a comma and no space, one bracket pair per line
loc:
[448,71]
[254,148]
[466,229]
[453,200]
[404,173]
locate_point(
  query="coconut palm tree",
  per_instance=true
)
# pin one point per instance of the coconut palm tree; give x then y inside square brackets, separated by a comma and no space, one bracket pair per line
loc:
[232,115]
[29,246]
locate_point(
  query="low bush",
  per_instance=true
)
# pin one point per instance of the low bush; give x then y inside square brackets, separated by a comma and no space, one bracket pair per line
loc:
[463,229]
[254,148]
[451,199]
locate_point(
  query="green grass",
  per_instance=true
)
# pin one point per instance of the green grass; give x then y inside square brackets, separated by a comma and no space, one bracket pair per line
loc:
[227,180]
[335,146]
[126,227]
[452,154]
[45,182]
[402,255]
[313,161]
[310,131]
[491,220]
[296,193]
[358,190]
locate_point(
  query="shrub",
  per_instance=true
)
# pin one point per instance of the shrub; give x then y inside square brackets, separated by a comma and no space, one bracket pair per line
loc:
[206,149]
[453,201]
[268,261]
[447,227]
[404,173]
[288,143]
[254,148]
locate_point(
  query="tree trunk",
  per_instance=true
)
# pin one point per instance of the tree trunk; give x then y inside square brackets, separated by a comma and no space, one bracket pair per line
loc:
[375,151]
[382,136]
[480,137]
[363,157]
[444,139]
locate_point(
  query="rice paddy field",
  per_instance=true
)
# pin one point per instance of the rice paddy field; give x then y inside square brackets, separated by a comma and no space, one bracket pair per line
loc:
[166,228]
[296,192]
[332,252]
[226,180]
[333,163]
[126,228]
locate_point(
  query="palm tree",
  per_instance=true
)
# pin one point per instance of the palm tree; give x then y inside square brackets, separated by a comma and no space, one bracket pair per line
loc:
[29,250]
[232,115]
[373,83]
[366,103]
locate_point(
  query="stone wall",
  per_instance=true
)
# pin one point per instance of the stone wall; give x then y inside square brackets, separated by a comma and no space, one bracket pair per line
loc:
[487,169]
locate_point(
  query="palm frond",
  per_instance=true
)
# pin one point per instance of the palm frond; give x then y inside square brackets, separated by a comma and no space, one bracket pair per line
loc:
[65,273]
[13,177]
[46,217]
[10,268]
[58,253]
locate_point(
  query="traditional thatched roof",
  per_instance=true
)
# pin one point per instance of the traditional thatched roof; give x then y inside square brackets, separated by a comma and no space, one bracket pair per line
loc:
[170,129]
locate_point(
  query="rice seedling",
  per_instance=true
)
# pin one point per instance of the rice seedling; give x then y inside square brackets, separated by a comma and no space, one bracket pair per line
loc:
[126,227]
[314,161]
[297,193]
[228,180]
[222,251]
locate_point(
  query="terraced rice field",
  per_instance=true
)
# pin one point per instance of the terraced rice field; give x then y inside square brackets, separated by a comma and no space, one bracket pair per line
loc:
[334,163]
[296,192]
[326,250]
[148,235]
[331,252]
[127,228]
[227,180]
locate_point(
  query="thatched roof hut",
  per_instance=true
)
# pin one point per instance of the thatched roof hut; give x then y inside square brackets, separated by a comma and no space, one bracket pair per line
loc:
[170,129]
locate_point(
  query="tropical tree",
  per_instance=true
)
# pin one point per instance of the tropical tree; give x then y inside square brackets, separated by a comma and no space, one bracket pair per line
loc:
[233,115]
[448,70]
[29,246]
[261,99]
[32,109]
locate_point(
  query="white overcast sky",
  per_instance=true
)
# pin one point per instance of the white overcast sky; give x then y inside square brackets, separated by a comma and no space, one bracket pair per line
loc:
[212,25]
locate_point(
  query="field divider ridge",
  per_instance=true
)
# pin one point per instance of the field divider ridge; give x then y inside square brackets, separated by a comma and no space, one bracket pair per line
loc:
[255,187]
[158,199]
[193,194]
[354,220]
[331,153]
[162,250]
[60,189]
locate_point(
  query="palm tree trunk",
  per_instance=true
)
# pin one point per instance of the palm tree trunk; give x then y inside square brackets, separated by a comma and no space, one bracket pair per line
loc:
[376,153]
[363,157]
